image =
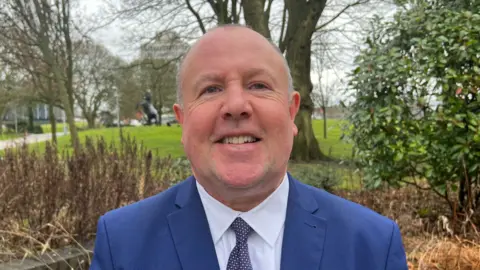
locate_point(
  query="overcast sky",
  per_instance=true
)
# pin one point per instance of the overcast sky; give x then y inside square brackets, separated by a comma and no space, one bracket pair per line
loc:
[341,47]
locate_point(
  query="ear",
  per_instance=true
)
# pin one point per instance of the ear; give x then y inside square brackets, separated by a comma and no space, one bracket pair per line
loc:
[179,115]
[293,108]
[177,108]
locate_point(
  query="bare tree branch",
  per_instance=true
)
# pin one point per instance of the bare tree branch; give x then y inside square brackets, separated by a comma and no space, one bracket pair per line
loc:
[340,13]
[197,16]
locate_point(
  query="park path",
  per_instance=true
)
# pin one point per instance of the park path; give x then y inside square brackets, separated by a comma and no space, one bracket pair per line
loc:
[31,138]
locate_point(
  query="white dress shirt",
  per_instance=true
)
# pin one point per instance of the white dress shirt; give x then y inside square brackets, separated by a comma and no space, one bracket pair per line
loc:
[267,220]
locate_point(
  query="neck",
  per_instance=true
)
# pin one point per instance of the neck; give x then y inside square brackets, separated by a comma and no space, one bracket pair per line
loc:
[242,199]
[246,203]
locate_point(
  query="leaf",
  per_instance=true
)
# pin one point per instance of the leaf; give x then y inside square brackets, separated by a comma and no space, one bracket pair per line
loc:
[476,69]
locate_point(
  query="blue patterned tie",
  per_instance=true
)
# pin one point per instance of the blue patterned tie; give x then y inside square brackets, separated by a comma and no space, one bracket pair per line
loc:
[239,258]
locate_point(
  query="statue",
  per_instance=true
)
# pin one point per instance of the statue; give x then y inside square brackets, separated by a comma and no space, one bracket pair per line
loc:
[148,109]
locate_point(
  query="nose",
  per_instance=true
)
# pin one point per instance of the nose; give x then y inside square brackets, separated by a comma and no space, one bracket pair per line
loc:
[236,105]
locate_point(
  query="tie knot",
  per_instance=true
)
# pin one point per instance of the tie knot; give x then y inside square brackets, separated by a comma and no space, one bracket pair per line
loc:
[241,229]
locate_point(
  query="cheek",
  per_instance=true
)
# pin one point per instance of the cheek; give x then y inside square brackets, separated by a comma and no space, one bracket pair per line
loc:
[276,119]
[198,124]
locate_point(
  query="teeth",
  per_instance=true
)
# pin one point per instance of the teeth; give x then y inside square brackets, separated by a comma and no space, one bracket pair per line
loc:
[238,139]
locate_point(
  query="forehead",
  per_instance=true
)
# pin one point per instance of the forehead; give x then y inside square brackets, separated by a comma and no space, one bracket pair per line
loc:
[226,50]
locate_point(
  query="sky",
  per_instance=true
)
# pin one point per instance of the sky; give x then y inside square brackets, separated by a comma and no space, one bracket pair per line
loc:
[342,46]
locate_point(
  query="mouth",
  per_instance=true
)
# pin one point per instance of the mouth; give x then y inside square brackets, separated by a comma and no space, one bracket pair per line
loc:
[238,140]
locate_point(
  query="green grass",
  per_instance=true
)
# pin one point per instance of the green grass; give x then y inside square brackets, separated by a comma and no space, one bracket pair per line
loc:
[332,145]
[163,140]
[8,136]
[47,128]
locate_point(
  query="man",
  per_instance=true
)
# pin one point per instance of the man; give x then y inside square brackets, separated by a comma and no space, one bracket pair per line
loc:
[241,209]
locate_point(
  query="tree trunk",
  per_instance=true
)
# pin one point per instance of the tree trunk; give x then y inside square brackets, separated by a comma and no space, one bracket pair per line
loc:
[324,112]
[2,114]
[304,124]
[30,127]
[67,101]
[255,16]
[69,79]
[53,123]
[159,107]
[302,20]
[303,16]
[91,121]
[64,82]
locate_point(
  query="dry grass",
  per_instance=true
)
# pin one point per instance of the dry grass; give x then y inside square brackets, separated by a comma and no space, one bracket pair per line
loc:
[434,240]
[50,202]
[442,253]
[417,212]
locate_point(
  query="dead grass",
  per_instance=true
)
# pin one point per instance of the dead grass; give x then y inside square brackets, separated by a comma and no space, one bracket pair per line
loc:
[442,253]
[50,202]
[417,212]
[54,202]
[433,238]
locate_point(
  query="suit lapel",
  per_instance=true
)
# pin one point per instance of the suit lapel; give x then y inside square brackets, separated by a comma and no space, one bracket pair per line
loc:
[304,233]
[190,231]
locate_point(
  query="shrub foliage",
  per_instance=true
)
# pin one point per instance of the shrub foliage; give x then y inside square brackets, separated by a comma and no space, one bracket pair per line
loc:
[416,116]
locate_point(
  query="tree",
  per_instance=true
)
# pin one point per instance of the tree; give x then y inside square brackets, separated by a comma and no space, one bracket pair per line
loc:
[157,76]
[7,94]
[325,88]
[94,72]
[40,31]
[291,29]
[35,83]
[416,115]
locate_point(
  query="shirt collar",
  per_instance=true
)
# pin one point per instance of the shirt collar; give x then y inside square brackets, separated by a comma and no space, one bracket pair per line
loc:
[266,219]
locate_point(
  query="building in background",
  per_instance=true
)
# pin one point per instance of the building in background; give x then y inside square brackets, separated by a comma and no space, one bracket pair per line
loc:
[167,45]
[164,50]
[40,113]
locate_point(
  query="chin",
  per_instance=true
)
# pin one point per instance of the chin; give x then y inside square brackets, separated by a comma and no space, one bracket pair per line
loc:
[241,176]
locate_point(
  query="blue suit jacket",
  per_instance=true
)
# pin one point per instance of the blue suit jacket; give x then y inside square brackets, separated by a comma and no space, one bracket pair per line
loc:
[169,231]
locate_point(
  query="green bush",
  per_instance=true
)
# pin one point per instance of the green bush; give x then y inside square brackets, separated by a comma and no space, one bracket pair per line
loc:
[22,127]
[427,53]
[318,175]
[37,129]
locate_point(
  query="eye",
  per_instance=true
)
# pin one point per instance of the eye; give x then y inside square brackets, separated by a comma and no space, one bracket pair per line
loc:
[211,89]
[258,86]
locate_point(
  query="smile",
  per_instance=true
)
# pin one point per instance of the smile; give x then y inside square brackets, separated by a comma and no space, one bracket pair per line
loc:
[239,140]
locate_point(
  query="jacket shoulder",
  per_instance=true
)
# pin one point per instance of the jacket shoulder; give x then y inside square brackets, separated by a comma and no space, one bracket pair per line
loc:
[152,209]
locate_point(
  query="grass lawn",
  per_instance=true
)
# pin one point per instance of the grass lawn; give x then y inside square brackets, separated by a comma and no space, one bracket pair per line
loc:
[163,140]
[47,128]
[8,136]
[332,145]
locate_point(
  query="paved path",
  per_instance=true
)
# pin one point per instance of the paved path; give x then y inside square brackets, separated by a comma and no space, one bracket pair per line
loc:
[32,138]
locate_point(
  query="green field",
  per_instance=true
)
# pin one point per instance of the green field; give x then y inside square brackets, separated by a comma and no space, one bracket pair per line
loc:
[332,145]
[8,136]
[163,140]
[47,128]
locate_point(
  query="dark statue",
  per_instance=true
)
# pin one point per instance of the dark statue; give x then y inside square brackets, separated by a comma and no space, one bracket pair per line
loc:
[149,111]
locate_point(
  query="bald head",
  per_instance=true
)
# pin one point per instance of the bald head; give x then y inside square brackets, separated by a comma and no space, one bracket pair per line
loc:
[225,32]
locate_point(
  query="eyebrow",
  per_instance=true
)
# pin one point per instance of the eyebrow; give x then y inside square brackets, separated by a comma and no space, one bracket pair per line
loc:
[215,77]
[260,71]
[206,78]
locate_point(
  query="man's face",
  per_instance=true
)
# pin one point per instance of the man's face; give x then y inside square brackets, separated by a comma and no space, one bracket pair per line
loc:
[237,115]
